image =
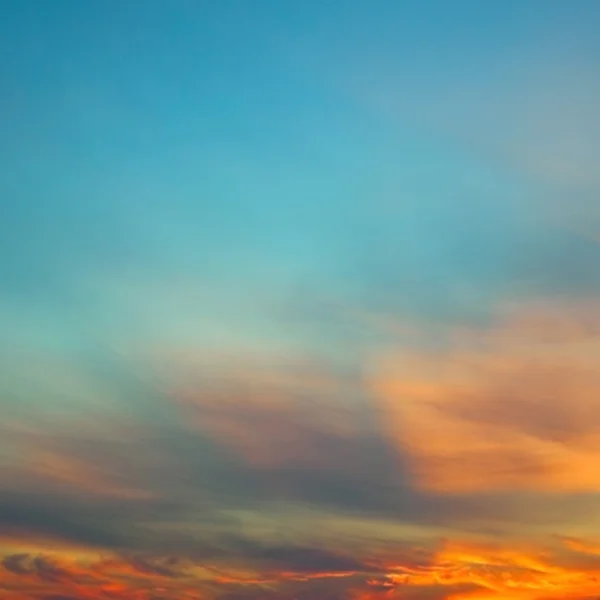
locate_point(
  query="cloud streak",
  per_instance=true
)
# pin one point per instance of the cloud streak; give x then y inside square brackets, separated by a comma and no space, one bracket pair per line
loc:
[453,569]
[510,408]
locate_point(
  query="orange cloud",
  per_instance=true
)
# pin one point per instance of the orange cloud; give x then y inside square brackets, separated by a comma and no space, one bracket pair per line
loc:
[516,407]
[42,576]
[457,570]
[467,570]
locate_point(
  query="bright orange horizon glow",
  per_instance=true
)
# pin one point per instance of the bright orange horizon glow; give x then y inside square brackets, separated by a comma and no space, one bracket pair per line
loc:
[457,571]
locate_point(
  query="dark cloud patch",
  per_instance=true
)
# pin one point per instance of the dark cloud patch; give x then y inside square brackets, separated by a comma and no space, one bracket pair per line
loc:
[48,571]
[16,563]
[122,525]
[40,566]
[268,558]
[107,525]
[296,450]
[170,566]
[299,559]
[357,475]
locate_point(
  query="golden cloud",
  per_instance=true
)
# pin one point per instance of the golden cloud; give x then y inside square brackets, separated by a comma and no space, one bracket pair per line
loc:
[515,407]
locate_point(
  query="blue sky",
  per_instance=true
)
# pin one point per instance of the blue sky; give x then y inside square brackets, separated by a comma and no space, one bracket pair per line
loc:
[224,212]
[279,143]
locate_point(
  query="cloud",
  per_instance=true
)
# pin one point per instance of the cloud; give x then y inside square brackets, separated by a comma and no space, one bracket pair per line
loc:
[143,576]
[42,567]
[454,569]
[301,559]
[297,429]
[344,479]
[302,440]
[511,408]
[14,564]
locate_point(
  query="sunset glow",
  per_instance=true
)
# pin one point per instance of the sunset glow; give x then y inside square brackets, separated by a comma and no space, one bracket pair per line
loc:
[300,300]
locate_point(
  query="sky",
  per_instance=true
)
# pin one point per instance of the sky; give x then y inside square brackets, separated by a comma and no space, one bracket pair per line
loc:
[300,300]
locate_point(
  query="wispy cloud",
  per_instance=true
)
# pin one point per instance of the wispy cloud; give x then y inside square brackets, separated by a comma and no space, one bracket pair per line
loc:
[512,407]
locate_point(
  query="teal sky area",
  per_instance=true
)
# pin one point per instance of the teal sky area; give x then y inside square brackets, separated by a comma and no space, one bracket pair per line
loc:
[391,156]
